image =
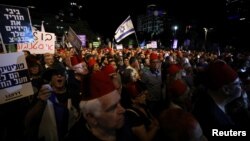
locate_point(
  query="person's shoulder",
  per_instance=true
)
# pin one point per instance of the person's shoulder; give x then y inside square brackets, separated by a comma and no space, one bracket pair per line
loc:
[78,131]
[145,71]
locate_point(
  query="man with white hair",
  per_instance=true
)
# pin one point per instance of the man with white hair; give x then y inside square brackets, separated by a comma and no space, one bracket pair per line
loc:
[102,115]
[222,87]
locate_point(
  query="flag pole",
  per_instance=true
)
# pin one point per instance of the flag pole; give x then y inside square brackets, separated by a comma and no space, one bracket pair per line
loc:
[135,35]
[42,27]
[3,45]
[136,40]
[112,43]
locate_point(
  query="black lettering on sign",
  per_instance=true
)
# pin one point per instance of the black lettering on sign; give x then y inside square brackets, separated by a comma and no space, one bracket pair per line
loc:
[14,78]
[12,95]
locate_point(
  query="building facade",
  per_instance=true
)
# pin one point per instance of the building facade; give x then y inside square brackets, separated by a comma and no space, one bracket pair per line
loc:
[153,21]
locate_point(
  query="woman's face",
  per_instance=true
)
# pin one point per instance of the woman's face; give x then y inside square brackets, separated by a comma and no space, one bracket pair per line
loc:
[49,60]
[34,70]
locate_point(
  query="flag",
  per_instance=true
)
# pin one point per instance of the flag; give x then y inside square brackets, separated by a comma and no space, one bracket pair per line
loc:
[125,29]
[143,43]
[74,40]
[42,27]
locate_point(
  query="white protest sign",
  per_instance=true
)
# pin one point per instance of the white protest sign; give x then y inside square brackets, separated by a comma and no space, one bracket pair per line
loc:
[44,42]
[14,80]
[120,46]
[153,44]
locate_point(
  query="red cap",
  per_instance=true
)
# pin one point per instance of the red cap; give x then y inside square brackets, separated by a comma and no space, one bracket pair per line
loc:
[109,69]
[110,49]
[153,56]
[100,85]
[91,62]
[75,60]
[147,52]
[174,68]
[178,88]
[219,73]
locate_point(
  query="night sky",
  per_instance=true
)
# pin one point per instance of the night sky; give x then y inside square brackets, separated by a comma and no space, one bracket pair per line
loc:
[105,16]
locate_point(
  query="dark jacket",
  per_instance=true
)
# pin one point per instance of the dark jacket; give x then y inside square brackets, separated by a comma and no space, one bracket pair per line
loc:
[80,132]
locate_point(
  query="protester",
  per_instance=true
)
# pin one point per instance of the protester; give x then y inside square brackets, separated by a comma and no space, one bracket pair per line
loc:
[143,124]
[179,125]
[12,115]
[47,120]
[77,75]
[102,114]
[153,81]
[49,61]
[35,72]
[115,76]
[222,86]
[129,76]
[179,93]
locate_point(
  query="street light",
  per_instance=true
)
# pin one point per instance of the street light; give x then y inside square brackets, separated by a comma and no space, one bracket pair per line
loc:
[205,35]
[205,38]
[175,28]
[175,41]
[99,40]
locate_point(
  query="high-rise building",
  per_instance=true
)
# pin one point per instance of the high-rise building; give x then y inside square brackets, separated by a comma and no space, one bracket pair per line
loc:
[238,10]
[153,21]
[238,22]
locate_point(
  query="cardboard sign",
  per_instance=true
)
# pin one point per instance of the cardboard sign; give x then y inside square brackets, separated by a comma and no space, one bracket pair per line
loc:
[119,47]
[44,43]
[15,25]
[14,79]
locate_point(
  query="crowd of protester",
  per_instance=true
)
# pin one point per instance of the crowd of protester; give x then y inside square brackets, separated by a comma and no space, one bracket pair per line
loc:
[130,95]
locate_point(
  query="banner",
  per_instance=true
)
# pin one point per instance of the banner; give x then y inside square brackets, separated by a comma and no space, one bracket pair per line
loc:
[44,43]
[124,30]
[119,47]
[14,80]
[74,40]
[15,24]
[152,44]
[83,39]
